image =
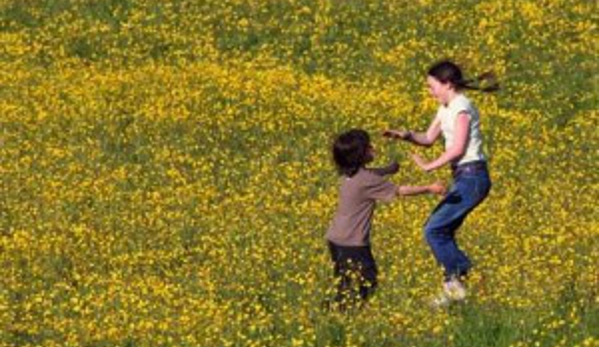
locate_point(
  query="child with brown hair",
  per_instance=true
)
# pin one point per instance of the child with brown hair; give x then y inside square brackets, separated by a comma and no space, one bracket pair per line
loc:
[349,233]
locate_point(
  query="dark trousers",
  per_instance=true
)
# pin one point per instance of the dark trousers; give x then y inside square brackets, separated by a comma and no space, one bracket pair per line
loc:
[356,273]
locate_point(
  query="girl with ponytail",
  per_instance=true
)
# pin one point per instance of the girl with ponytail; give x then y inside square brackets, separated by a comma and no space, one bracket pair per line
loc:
[458,120]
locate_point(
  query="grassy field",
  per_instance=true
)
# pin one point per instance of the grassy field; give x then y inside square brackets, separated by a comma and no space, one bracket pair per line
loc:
[165,176]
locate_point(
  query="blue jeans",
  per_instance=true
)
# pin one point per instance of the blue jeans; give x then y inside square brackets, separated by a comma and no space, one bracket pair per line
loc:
[468,191]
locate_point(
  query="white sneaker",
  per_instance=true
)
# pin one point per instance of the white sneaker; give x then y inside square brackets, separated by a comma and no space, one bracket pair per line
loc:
[440,301]
[454,290]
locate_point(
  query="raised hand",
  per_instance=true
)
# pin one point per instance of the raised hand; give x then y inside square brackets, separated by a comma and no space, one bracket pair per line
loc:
[393,168]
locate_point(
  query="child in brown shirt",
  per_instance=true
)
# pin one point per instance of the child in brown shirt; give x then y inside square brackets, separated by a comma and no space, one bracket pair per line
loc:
[349,234]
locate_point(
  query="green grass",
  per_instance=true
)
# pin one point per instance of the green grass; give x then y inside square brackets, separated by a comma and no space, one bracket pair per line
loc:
[559,118]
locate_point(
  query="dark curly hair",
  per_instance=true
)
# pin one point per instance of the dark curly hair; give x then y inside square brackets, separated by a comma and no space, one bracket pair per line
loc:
[351,151]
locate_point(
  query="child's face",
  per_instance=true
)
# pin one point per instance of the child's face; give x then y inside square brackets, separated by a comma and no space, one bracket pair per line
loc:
[438,89]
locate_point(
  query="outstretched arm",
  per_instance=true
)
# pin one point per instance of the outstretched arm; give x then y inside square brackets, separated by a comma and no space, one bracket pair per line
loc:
[435,188]
[421,139]
[390,169]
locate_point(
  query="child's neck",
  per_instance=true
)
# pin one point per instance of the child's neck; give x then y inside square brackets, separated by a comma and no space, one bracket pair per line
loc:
[451,94]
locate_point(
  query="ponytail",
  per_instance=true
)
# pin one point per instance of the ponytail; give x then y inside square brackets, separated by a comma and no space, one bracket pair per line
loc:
[447,72]
[479,84]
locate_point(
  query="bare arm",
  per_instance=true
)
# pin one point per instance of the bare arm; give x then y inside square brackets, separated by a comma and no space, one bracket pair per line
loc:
[421,139]
[435,188]
[457,150]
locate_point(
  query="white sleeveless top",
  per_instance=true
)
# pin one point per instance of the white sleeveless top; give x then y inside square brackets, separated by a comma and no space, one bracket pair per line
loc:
[448,115]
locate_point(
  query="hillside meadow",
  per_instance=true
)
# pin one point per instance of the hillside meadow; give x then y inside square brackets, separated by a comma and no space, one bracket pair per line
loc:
[166,177]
